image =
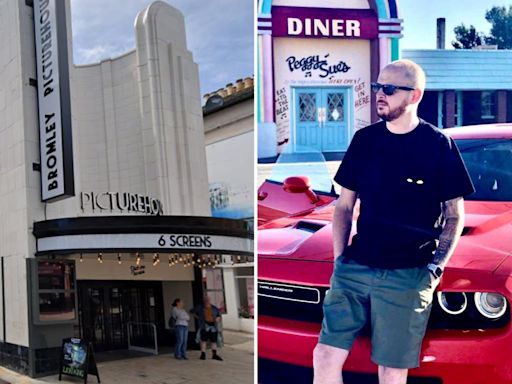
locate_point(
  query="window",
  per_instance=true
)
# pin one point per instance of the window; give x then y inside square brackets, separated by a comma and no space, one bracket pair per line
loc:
[335,107]
[488,104]
[307,107]
[213,284]
[458,108]
[488,162]
[245,284]
[56,291]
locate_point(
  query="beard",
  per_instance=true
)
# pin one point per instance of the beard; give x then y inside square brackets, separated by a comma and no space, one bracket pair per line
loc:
[393,114]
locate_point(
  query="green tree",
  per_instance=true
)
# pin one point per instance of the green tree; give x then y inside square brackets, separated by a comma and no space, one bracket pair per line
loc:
[467,38]
[501,30]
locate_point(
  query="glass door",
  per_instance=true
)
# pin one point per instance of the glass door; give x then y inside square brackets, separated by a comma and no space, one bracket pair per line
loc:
[92,301]
[321,119]
[334,128]
[307,120]
[117,330]
[106,309]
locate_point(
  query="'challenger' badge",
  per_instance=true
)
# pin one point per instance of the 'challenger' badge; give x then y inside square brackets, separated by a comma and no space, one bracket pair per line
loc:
[289,292]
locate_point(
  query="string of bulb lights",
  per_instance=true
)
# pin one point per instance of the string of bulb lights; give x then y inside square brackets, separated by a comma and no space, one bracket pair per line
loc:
[186,259]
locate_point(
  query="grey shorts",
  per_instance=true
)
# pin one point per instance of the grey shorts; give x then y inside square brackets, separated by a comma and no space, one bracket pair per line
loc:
[397,302]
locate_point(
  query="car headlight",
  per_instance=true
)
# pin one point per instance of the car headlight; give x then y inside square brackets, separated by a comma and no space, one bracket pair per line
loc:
[490,305]
[453,303]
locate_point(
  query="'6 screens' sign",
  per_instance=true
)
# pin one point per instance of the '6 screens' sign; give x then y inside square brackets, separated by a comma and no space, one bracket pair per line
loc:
[53,99]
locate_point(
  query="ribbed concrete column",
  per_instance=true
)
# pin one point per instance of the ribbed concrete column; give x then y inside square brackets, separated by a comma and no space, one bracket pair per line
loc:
[173,133]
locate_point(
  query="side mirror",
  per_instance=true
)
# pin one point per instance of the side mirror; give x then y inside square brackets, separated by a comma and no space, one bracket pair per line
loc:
[262,195]
[300,184]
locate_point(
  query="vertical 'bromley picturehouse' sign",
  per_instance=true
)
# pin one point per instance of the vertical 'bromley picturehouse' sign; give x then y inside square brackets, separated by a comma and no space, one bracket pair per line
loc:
[53,98]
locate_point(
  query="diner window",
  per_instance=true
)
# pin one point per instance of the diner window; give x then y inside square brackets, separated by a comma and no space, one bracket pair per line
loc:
[213,284]
[56,291]
[458,108]
[488,104]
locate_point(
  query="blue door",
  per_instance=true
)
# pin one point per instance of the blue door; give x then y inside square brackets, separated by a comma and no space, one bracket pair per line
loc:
[307,119]
[321,119]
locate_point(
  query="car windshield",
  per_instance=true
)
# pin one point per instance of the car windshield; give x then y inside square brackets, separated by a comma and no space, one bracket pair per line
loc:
[303,162]
[489,163]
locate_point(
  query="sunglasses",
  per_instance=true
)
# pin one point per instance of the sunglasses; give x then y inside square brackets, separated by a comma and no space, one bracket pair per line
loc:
[389,89]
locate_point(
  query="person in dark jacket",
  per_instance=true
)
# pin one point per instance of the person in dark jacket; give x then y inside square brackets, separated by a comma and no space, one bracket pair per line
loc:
[209,318]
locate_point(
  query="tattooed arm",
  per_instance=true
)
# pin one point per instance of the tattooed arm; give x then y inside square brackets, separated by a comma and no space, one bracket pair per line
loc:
[454,224]
[342,220]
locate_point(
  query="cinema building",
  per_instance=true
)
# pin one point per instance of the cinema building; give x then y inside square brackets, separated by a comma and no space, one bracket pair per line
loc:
[104,193]
[316,60]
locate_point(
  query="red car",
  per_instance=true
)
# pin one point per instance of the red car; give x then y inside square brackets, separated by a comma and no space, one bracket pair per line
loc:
[469,336]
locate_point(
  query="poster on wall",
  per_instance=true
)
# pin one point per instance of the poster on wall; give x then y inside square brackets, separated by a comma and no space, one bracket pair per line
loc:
[250,296]
[214,286]
[230,179]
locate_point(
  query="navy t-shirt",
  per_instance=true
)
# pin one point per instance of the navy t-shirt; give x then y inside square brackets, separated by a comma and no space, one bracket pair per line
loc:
[401,180]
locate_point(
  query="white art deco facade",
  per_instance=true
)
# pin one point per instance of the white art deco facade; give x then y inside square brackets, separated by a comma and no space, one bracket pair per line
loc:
[117,252]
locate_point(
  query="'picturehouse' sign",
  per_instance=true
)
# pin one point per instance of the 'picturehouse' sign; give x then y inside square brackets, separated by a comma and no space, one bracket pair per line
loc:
[125,201]
[324,23]
[53,99]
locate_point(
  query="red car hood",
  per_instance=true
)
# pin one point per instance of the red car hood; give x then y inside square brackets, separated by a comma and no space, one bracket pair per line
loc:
[485,245]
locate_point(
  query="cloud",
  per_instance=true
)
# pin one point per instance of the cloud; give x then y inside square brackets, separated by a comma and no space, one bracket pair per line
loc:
[219,34]
[99,52]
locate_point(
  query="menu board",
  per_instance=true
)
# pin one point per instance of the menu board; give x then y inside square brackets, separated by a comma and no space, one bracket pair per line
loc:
[77,359]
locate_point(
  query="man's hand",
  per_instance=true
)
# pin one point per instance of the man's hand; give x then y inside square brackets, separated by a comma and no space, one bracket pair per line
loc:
[217,319]
[342,220]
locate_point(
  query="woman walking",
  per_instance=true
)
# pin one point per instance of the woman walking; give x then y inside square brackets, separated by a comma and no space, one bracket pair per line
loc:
[182,317]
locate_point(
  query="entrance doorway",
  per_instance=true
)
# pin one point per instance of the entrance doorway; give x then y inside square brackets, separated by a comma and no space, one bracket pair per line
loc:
[106,307]
[321,119]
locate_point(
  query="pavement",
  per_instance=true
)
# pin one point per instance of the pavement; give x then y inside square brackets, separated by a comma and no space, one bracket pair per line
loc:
[237,367]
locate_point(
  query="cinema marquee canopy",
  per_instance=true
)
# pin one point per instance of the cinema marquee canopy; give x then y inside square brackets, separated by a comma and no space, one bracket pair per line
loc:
[164,234]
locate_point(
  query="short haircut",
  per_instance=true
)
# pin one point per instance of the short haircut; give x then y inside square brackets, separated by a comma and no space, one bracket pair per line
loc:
[413,72]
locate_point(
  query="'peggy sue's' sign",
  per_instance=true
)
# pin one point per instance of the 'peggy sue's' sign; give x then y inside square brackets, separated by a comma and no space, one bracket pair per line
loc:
[53,99]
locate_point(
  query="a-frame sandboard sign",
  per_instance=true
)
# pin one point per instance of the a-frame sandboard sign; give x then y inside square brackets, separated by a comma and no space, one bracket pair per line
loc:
[77,359]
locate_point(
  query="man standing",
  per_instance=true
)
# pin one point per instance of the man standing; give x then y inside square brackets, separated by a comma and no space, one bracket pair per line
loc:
[209,319]
[410,180]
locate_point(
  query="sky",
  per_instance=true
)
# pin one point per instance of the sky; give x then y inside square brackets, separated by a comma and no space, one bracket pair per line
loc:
[219,34]
[420,19]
